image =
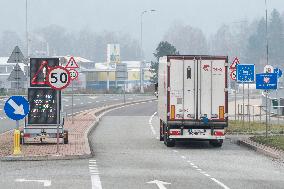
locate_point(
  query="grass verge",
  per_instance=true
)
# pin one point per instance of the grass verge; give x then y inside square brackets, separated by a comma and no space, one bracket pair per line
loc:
[272,141]
[253,128]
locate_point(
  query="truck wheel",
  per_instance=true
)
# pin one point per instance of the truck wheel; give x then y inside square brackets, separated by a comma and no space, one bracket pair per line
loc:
[161,130]
[65,137]
[216,143]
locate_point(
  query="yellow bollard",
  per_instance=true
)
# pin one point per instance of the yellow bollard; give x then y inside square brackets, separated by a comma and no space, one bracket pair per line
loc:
[17,149]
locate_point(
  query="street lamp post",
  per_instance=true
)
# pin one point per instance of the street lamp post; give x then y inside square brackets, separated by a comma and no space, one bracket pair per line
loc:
[27,35]
[141,49]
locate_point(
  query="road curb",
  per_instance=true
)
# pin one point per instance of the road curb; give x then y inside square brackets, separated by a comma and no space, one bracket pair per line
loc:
[99,114]
[260,148]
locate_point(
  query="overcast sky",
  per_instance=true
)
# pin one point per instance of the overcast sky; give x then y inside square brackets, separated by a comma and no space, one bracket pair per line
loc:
[124,15]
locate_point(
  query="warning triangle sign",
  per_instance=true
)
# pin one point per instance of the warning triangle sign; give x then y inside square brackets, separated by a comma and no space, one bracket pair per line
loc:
[17,74]
[16,56]
[234,64]
[72,63]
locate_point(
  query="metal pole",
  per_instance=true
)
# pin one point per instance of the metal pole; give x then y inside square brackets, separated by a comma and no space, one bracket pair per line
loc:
[248,109]
[27,35]
[72,103]
[58,122]
[278,102]
[235,100]
[124,100]
[266,32]
[253,114]
[266,118]
[243,108]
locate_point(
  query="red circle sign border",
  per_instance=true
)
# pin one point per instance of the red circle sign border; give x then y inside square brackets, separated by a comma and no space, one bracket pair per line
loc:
[76,76]
[69,78]
[231,74]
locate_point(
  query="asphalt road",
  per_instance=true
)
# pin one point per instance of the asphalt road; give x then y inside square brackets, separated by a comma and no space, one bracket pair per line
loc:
[127,154]
[80,103]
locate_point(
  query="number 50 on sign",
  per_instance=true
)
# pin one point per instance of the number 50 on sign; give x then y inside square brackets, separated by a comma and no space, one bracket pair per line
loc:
[58,78]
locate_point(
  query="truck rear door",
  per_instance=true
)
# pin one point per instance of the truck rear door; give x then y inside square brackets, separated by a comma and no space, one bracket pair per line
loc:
[197,88]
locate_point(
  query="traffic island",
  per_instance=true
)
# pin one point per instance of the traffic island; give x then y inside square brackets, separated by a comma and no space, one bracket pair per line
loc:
[77,148]
[264,146]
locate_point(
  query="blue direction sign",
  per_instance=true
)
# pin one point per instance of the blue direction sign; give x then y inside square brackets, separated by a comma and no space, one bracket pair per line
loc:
[16,107]
[245,73]
[278,72]
[266,81]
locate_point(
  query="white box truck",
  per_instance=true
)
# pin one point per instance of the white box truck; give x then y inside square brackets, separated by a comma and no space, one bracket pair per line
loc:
[193,98]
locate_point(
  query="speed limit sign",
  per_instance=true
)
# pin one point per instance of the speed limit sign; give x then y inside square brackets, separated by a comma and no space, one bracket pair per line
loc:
[58,78]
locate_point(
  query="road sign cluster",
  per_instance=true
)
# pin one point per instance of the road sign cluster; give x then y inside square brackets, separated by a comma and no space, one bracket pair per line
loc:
[233,68]
[245,73]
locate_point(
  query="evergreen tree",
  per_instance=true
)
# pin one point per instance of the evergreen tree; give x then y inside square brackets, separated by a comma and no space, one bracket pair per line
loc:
[164,48]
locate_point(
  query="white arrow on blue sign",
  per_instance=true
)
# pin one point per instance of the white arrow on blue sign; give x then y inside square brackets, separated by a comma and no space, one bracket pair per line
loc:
[17,107]
[278,72]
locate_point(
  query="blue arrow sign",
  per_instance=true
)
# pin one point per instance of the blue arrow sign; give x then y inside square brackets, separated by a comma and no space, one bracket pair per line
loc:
[16,107]
[266,81]
[245,73]
[278,72]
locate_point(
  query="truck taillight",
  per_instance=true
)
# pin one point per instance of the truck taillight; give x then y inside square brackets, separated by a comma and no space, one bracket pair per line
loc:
[174,132]
[218,133]
[221,112]
[173,111]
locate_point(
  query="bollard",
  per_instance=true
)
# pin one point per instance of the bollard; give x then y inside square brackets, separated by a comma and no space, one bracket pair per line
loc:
[17,149]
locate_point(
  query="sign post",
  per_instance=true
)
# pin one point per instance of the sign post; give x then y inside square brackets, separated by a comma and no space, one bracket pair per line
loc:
[279,74]
[17,75]
[16,108]
[121,75]
[266,82]
[246,74]
[233,75]
[72,65]
[58,79]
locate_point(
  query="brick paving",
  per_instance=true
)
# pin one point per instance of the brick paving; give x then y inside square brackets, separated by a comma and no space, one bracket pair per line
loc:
[76,146]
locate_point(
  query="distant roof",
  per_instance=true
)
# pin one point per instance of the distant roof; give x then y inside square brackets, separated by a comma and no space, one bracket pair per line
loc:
[78,59]
[3,62]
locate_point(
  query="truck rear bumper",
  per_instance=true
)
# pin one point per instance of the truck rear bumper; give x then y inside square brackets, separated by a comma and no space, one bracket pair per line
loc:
[202,134]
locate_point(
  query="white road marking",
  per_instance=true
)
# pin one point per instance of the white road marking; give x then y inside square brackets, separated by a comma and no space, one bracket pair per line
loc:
[207,175]
[175,151]
[82,103]
[159,183]
[93,97]
[151,125]
[66,105]
[183,157]
[195,167]
[46,183]
[95,178]
[97,101]
[89,102]
[220,183]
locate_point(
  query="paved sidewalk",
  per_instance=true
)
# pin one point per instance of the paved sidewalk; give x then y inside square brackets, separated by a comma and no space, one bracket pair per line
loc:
[78,146]
[77,140]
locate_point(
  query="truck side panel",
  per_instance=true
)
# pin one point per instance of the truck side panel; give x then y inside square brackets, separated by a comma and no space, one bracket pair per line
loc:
[162,89]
